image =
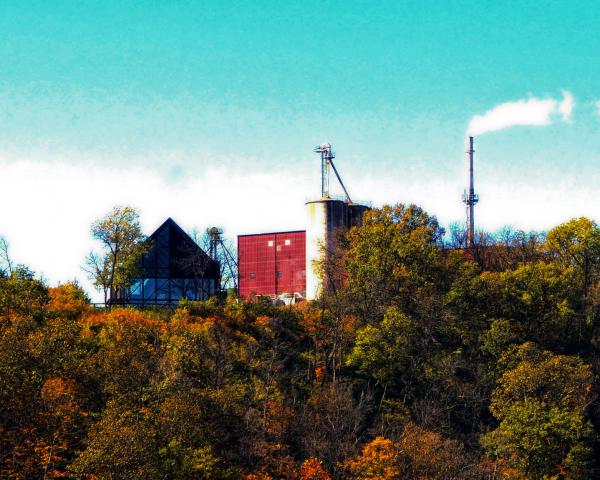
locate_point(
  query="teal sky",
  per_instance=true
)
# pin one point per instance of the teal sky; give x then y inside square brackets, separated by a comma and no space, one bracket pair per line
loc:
[385,82]
[181,87]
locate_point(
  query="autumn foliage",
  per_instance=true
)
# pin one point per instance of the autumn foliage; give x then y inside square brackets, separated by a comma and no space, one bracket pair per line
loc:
[425,363]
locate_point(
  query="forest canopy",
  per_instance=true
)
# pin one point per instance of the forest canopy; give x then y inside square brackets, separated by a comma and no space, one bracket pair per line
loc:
[422,361]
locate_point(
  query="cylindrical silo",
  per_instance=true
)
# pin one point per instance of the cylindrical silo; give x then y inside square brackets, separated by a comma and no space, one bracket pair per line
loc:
[356,213]
[325,217]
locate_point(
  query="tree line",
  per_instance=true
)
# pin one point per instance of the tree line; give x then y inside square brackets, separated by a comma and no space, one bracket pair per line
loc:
[420,361]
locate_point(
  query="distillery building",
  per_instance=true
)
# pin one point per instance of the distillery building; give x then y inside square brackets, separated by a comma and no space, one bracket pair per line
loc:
[272,264]
[288,264]
[173,268]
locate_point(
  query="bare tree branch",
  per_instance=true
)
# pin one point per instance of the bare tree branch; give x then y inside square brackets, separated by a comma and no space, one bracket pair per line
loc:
[6,263]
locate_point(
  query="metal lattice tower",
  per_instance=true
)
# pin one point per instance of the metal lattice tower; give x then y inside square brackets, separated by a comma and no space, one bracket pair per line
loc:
[218,251]
[470,199]
[327,157]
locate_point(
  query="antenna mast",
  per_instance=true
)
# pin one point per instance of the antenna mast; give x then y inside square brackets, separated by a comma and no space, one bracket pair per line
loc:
[470,199]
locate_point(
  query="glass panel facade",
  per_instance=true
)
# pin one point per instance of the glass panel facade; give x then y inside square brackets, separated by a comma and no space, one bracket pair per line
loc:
[135,292]
[150,291]
[162,289]
[149,286]
[173,268]
[191,291]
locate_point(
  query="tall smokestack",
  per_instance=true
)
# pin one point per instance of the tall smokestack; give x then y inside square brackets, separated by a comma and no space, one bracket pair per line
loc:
[470,199]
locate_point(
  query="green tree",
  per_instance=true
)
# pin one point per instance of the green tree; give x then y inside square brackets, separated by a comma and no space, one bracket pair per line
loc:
[541,403]
[122,241]
[542,303]
[391,353]
[577,243]
[393,259]
[536,301]
[20,380]
[21,294]
[123,445]
[128,349]
[182,463]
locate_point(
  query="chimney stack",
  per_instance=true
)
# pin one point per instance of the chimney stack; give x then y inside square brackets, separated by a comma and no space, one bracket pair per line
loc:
[470,199]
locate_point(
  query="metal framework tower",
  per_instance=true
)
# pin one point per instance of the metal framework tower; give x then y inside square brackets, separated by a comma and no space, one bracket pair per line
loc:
[470,199]
[327,157]
[218,251]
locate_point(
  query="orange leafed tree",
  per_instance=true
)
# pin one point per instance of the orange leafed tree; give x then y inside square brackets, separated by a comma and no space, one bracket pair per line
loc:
[67,300]
[312,469]
[377,461]
[257,476]
[47,447]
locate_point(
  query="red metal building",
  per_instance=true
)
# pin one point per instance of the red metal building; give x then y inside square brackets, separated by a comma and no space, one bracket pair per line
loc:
[272,263]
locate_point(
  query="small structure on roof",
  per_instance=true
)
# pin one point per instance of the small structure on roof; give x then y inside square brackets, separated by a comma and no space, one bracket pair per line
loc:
[174,268]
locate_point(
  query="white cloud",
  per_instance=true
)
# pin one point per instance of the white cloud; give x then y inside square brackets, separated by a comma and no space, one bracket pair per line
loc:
[47,207]
[566,106]
[531,112]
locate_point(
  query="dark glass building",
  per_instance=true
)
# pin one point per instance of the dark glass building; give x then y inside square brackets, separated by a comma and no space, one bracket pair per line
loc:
[174,267]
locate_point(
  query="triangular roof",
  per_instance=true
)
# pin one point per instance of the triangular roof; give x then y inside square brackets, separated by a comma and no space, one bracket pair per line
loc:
[173,254]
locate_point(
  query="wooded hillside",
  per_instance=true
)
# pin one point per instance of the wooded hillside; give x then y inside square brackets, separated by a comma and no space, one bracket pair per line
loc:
[422,362]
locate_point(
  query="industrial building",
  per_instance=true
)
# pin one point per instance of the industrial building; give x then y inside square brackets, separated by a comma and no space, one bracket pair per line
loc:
[285,265]
[326,217]
[272,264]
[281,265]
[173,268]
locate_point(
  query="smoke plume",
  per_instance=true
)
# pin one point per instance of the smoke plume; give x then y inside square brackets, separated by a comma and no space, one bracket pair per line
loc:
[532,112]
